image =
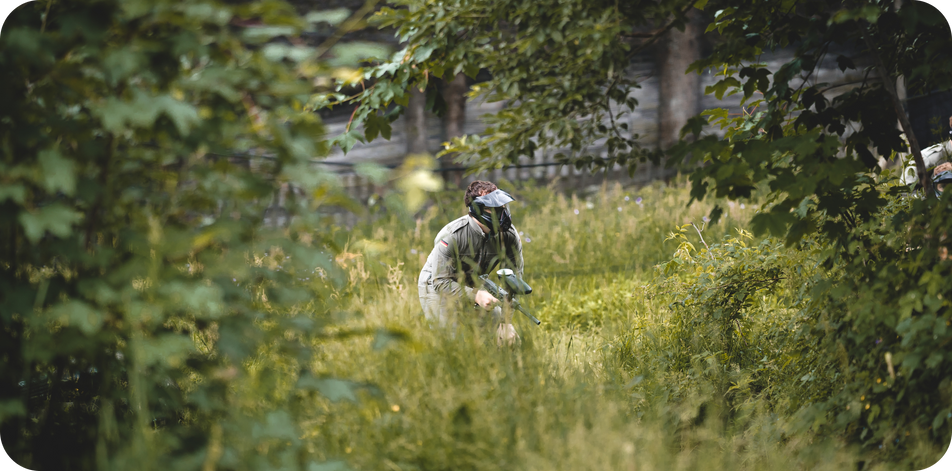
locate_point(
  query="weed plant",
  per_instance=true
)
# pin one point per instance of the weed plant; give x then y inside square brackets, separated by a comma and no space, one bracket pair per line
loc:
[618,376]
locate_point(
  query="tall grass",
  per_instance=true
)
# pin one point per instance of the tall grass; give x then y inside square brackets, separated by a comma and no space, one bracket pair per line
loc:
[562,399]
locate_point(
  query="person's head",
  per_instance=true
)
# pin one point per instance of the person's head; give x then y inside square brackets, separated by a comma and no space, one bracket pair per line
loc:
[476,189]
[487,205]
[941,177]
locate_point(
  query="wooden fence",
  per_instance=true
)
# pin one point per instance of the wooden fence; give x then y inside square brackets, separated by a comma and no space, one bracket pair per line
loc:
[542,167]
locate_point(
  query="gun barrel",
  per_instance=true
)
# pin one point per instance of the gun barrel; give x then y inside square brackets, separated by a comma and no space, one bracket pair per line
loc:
[524,311]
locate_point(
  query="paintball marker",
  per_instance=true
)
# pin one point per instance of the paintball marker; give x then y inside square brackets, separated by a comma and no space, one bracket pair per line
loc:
[515,286]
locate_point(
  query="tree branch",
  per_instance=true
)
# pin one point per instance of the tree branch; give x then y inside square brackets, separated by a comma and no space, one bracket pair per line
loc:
[702,241]
[640,35]
[347,26]
[890,87]
[657,34]
[351,120]
[46,16]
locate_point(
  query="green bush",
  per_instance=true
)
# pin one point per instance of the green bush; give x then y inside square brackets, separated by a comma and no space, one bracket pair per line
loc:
[843,341]
[732,322]
[141,143]
[882,319]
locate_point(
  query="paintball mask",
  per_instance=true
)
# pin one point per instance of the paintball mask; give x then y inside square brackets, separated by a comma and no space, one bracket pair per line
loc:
[498,219]
[940,181]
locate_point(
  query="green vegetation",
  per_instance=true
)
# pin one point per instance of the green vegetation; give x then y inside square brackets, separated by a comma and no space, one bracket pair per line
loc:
[148,319]
[140,144]
[859,281]
[653,353]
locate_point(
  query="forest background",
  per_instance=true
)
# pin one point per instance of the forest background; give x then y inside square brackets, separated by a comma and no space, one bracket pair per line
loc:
[783,305]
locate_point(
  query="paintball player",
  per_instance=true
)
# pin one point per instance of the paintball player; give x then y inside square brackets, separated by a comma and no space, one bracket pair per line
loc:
[942,174]
[466,248]
[941,177]
[931,156]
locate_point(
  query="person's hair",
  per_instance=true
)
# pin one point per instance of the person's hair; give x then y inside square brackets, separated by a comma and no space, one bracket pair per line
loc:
[476,189]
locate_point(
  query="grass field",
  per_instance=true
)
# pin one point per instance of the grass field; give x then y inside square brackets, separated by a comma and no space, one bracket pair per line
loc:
[593,387]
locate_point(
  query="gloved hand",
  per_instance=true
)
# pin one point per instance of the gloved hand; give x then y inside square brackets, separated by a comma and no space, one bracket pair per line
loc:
[506,335]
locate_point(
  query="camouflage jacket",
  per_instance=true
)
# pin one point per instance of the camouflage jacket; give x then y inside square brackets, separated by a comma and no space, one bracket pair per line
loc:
[462,252]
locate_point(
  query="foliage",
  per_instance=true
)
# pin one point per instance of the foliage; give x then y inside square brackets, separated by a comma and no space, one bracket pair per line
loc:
[884,320]
[559,64]
[813,143]
[141,142]
[590,388]
[149,320]
[622,231]
[852,345]
[560,400]
[734,323]
[813,149]
[592,307]
[718,292]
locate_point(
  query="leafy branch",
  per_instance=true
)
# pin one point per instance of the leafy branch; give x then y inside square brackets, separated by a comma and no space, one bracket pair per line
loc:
[656,35]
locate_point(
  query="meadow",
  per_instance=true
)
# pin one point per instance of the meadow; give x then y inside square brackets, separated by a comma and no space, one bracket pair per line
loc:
[629,369]
[666,343]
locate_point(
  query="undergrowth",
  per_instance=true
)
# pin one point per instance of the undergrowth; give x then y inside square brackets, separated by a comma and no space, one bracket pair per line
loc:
[658,350]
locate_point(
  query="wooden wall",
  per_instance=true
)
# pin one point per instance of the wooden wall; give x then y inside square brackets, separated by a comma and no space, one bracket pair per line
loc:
[541,166]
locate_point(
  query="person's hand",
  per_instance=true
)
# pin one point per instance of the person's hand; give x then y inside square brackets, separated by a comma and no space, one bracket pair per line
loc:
[506,335]
[945,166]
[484,299]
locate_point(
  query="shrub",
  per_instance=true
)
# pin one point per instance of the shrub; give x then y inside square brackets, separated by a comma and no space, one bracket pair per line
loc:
[882,320]
[141,142]
[729,323]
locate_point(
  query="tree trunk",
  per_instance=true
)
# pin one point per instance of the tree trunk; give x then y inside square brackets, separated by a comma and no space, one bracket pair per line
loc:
[924,178]
[679,93]
[416,122]
[455,96]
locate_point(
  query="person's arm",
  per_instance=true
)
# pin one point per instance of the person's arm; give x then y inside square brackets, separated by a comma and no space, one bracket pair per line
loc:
[445,279]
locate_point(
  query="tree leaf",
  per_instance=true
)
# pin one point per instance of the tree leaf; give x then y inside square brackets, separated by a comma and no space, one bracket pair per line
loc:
[78,314]
[14,191]
[378,174]
[332,17]
[203,300]
[182,114]
[333,388]
[167,348]
[55,218]
[277,424]
[844,63]
[260,34]
[11,408]
[774,224]
[59,174]
[354,52]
